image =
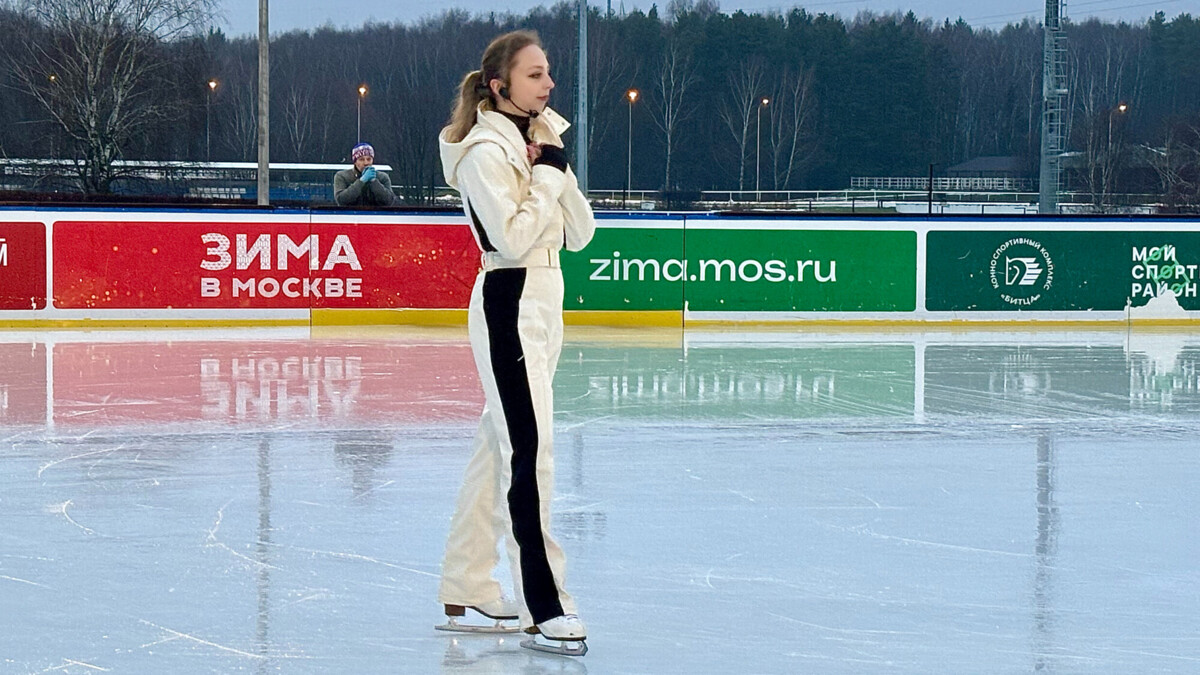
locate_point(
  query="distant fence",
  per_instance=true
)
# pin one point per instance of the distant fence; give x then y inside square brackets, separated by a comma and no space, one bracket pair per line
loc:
[312,183]
[945,184]
[219,181]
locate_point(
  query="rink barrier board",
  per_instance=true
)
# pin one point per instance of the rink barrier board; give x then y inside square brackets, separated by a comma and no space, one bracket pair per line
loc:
[113,267]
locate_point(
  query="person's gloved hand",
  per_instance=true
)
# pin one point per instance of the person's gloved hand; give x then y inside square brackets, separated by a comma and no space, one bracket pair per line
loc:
[552,155]
[368,174]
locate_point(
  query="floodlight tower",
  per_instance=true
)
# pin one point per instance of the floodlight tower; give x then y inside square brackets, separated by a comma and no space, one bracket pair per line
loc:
[1054,113]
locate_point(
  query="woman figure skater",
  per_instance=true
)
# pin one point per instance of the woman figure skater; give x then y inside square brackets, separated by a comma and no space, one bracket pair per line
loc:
[503,152]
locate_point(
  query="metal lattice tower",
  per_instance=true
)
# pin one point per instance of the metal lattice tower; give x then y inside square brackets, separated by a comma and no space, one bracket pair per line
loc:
[1054,113]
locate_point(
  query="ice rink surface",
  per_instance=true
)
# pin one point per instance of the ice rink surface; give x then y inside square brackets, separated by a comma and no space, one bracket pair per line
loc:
[730,502]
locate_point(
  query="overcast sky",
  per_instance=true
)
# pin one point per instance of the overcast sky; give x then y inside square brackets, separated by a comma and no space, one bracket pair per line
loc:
[241,16]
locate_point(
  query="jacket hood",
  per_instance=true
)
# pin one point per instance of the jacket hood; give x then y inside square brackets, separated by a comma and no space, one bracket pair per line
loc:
[493,127]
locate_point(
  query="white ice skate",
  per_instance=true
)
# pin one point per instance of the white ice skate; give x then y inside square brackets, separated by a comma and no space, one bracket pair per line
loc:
[567,631]
[503,612]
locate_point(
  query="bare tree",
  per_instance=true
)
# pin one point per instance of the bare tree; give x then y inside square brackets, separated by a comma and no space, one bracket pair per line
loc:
[676,75]
[703,8]
[298,96]
[241,134]
[610,70]
[1177,164]
[745,83]
[792,115]
[1107,75]
[297,120]
[418,62]
[93,65]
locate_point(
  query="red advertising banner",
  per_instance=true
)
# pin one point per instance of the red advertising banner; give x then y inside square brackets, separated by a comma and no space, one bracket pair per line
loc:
[160,265]
[22,383]
[22,266]
[240,383]
[419,266]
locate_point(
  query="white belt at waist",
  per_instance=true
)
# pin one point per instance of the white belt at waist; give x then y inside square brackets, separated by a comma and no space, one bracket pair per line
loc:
[538,257]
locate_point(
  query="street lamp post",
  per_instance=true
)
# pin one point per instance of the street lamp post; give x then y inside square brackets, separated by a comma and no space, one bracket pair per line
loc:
[1110,164]
[1121,109]
[362,93]
[758,151]
[212,88]
[929,190]
[264,103]
[53,145]
[632,95]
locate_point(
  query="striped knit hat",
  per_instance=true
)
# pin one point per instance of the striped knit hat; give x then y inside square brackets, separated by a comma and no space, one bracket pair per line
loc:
[362,150]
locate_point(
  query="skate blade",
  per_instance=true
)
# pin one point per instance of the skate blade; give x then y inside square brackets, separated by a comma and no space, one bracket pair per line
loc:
[564,648]
[498,627]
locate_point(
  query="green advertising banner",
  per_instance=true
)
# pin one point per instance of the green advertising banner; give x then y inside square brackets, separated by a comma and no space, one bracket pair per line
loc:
[801,270]
[744,270]
[1048,271]
[627,268]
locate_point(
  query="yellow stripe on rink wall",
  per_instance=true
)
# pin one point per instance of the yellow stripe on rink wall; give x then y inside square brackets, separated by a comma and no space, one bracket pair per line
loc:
[675,319]
[938,324]
[656,318]
[458,317]
[389,317]
[102,324]
[615,319]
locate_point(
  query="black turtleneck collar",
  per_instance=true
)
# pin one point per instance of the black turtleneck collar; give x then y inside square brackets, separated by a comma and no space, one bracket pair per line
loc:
[522,123]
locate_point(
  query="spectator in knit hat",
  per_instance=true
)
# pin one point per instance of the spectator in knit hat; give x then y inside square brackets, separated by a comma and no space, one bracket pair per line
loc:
[363,184]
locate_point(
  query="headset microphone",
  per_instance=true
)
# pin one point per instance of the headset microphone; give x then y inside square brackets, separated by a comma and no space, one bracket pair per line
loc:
[504,93]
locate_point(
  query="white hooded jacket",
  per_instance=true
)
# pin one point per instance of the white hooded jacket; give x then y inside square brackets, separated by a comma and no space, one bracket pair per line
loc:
[516,207]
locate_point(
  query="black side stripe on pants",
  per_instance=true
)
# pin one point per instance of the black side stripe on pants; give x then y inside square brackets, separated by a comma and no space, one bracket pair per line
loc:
[501,301]
[484,242]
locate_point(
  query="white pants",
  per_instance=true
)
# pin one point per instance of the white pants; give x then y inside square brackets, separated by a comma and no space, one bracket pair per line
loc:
[515,324]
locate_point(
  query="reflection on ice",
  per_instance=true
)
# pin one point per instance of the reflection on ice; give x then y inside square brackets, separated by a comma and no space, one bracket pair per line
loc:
[364,456]
[480,655]
[206,384]
[1045,549]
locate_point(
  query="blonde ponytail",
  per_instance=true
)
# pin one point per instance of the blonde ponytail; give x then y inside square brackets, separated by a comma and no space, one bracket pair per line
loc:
[475,88]
[470,93]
